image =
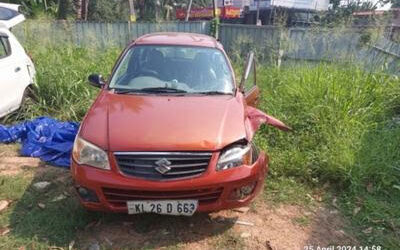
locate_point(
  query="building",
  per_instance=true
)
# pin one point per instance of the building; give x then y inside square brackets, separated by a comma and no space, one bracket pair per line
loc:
[390,19]
[297,12]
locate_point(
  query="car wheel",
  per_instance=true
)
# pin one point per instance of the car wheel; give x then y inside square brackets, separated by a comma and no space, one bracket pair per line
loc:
[28,99]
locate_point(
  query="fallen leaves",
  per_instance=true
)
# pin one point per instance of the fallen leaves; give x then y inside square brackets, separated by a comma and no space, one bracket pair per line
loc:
[4,231]
[268,245]
[370,187]
[318,197]
[334,202]
[368,230]
[92,224]
[41,205]
[71,245]
[94,246]
[396,187]
[244,223]
[356,210]
[4,204]
[109,242]
[241,209]
[59,198]
[42,185]
[245,235]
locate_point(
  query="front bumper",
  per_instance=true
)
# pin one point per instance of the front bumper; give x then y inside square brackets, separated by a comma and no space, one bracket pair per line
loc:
[219,184]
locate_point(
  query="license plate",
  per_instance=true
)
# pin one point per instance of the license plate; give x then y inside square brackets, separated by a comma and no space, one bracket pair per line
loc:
[169,207]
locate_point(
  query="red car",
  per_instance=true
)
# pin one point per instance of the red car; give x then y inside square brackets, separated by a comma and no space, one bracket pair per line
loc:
[171,131]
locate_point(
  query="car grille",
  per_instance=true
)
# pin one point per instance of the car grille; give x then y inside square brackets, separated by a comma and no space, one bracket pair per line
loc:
[119,197]
[143,165]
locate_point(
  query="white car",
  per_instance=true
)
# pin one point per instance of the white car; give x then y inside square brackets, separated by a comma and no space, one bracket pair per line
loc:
[17,72]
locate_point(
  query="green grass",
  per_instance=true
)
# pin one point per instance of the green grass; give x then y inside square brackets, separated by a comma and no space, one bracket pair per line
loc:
[302,221]
[61,222]
[287,190]
[343,135]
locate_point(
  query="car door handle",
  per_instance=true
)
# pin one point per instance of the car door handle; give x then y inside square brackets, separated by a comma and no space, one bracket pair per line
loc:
[17,69]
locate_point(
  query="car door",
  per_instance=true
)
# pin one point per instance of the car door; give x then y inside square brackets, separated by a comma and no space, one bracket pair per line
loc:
[248,84]
[9,77]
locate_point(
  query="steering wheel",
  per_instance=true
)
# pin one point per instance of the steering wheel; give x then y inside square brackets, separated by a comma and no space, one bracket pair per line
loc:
[148,72]
[124,80]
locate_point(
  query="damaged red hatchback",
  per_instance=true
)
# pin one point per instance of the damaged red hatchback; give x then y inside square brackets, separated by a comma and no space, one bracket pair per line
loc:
[171,131]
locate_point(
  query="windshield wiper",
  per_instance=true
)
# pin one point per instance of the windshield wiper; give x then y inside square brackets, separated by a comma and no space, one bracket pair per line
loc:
[163,90]
[213,93]
[127,91]
[150,90]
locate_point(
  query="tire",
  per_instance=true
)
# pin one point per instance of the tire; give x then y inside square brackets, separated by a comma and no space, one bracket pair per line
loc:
[27,98]
[18,115]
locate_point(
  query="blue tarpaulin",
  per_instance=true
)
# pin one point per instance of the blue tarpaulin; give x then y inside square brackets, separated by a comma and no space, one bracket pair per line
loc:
[44,137]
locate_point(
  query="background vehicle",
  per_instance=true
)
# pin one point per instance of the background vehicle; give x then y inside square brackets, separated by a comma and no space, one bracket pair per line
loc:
[17,72]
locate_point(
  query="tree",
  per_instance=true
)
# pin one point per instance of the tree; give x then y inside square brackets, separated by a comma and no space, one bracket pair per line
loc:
[107,10]
[395,3]
[342,11]
[34,8]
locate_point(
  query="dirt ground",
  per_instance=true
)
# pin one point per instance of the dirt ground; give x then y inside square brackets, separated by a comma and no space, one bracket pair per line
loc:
[261,226]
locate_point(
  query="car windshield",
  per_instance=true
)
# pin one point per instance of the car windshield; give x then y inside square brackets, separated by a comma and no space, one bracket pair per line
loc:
[180,69]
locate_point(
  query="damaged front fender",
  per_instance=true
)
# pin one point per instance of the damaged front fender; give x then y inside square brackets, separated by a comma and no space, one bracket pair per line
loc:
[255,118]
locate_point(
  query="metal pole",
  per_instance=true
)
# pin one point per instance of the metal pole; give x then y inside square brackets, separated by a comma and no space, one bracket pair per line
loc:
[258,11]
[215,8]
[216,19]
[86,9]
[132,16]
[189,8]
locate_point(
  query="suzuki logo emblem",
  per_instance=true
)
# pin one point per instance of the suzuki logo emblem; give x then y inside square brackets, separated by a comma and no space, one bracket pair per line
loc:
[163,166]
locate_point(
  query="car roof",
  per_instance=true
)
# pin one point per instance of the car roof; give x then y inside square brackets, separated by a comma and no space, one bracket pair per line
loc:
[178,38]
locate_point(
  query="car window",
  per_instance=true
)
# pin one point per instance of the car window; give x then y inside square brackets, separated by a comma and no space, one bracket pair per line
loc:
[192,69]
[7,14]
[5,49]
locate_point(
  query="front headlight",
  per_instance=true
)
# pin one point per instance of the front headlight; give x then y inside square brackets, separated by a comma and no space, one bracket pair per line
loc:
[86,153]
[234,157]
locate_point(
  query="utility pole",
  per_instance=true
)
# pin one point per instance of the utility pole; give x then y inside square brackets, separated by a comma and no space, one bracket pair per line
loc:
[132,16]
[215,8]
[216,19]
[258,12]
[189,8]
[86,6]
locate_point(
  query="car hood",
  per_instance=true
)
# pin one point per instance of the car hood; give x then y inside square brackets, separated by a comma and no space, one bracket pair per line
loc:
[164,123]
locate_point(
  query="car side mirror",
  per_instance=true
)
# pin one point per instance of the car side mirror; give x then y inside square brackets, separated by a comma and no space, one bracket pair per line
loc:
[96,80]
[249,69]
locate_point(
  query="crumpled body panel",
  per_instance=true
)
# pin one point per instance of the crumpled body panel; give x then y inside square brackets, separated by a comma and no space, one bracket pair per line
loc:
[255,118]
